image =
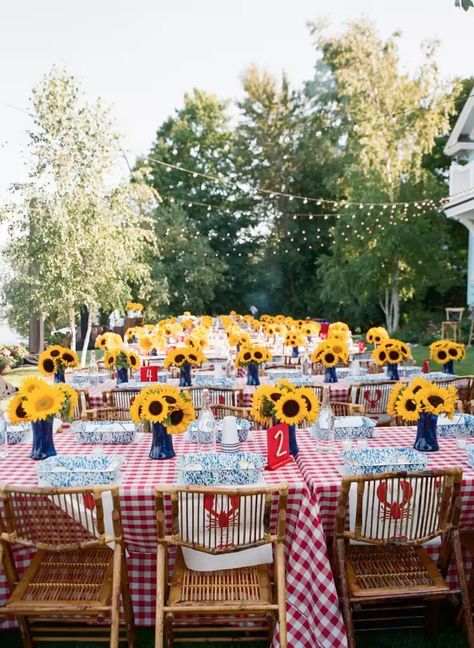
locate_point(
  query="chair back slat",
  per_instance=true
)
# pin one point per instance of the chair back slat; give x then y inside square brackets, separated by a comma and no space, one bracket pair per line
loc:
[221,520]
[217,396]
[398,507]
[60,519]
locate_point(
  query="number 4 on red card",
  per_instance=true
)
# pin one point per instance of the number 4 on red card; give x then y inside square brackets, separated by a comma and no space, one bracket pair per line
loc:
[149,374]
[278,446]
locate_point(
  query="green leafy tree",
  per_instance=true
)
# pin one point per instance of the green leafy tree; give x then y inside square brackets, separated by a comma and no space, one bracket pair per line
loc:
[76,239]
[386,122]
[199,138]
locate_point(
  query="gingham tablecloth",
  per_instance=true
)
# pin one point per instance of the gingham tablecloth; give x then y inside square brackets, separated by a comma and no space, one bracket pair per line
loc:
[314,619]
[322,470]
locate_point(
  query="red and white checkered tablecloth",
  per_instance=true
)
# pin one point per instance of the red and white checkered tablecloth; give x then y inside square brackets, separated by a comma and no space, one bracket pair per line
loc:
[314,618]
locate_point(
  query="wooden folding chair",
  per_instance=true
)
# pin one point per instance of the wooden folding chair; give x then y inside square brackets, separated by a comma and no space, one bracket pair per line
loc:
[74,578]
[220,411]
[217,396]
[219,605]
[464,386]
[107,414]
[373,396]
[380,557]
[347,409]
[121,398]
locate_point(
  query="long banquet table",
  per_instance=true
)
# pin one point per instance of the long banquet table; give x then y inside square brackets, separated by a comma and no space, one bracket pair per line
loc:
[314,619]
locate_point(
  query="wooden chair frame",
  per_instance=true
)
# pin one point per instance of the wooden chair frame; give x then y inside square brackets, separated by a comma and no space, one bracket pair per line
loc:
[70,542]
[220,411]
[106,414]
[168,593]
[357,396]
[437,517]
[347,409]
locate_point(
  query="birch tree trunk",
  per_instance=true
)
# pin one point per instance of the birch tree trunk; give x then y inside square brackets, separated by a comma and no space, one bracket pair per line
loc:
[391,302]
[72,326]
[87,337]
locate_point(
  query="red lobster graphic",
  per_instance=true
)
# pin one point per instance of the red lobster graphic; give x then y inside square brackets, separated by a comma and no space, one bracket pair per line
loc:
[222,519]
[370,397]
[395,510]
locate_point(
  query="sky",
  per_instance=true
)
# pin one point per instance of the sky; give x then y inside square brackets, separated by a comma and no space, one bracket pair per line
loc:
[141,56]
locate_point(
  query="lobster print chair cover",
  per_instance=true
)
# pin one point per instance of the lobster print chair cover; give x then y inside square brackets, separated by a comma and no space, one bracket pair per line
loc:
[226,522]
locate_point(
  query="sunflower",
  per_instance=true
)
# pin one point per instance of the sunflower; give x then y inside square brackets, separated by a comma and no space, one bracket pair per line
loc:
[180,417]
[244,357]
[258,354]
[310,400]
[145,343]
[136,408]
[110,358]
[46,364]
[291,409]
[101,341]
[376,334]
[29,384]
[133,360]
[437,400]
[195,356]
[285,384]
[329,358]
[379,354]
[55,351]
[70,399]
[16,411]
[155,408]
[393,398]
[418,383]
[43,402]
[408,407]
[440,355]
[393,355]
[175,358]
[172,395]
[69,358]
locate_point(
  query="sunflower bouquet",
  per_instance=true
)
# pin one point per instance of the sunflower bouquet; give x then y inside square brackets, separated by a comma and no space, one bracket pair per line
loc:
[376,335]
[169,410]
[285,403]
[251,356]
[184,357]
[54,361]
[134,309]
[422,401]
[391,352]
[122,361]
[445,352]
[295,339]
[329,353]
[238,338]
[37,402]
[108,341]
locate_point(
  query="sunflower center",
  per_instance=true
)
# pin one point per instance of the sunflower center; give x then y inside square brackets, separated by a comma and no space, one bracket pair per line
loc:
[382,356]
[67,357]
[330,357]
[44,403]
[179,357]
[442,355]
[410,405]
[48,365]
[435,401]
[291,408]
[453,352]
[176,416]
[393,355]
[155,408]
[19,411]
[258,355]
[54,353]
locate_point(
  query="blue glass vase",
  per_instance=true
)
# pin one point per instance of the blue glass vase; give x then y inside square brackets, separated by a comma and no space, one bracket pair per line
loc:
[161,443]
[330,375]
[252,374]
[43,445]
[426,437]
[448,367]
[392,371]
[185,375]
[293,442]
[295,353]
[59,377]
[122,375]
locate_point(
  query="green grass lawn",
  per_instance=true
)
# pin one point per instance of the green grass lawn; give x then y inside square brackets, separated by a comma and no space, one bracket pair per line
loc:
[444,638]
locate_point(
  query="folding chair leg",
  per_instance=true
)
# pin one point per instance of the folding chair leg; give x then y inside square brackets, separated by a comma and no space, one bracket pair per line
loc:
[160,596]
[127,605]
[115,599]
[464,589]
[281,593]
[346,604]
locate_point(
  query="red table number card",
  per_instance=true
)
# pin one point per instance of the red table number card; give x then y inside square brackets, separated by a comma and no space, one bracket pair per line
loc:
[278,446]
[149,374]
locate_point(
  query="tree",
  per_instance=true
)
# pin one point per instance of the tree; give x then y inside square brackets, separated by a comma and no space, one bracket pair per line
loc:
[281,149]
[199,138]
[386,122]
[75,238]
